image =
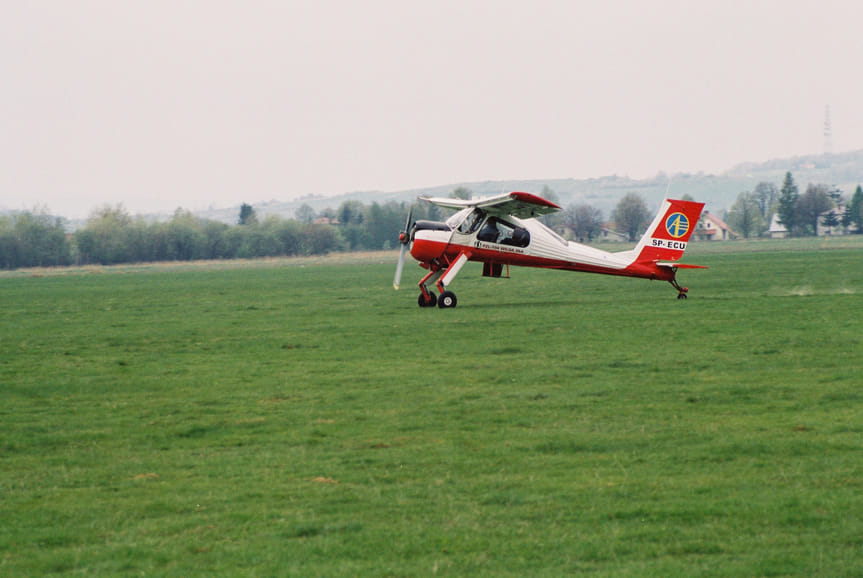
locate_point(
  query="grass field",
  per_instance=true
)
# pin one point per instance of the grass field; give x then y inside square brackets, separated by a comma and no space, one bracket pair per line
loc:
[302,418]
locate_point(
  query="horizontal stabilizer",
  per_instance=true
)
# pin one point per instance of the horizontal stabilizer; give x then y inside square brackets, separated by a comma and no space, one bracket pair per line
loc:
[681,266]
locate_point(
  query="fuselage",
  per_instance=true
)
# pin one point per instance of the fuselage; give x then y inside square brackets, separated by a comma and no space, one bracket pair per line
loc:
[519,242]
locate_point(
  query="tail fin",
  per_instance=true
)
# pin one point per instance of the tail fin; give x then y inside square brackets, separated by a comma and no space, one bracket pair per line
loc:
[668,234]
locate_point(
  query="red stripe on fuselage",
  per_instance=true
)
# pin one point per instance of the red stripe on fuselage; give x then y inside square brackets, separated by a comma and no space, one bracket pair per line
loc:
[426,251]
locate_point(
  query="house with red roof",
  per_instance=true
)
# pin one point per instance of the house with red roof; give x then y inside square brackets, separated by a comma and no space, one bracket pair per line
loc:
[712,228]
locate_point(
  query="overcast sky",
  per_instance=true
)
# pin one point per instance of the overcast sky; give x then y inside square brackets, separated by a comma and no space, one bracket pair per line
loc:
[164,103]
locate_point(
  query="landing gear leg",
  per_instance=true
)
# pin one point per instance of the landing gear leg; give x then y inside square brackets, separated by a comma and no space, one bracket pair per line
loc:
[447,299]
[681,291]
[428,298]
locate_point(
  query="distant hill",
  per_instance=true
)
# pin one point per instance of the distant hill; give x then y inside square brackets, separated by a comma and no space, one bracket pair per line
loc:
[844,170]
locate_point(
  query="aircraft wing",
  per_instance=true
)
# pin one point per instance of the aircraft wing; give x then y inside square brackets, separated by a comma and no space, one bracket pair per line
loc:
[521,205]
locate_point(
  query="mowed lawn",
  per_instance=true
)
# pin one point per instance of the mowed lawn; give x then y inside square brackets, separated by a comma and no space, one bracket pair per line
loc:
[302,418]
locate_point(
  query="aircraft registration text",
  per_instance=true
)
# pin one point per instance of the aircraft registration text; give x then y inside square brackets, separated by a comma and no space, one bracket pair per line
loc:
[665,244]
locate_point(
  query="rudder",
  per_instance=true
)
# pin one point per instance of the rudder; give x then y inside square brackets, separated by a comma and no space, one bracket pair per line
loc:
[668,235]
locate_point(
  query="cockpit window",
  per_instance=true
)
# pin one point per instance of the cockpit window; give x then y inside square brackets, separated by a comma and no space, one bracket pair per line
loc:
[467,221]
[504,233]
[454,220]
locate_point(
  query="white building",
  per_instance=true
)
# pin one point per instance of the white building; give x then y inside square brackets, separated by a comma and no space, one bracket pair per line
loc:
[777,230]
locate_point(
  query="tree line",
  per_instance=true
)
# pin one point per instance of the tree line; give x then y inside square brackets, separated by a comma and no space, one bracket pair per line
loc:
[113,236]
[819,207]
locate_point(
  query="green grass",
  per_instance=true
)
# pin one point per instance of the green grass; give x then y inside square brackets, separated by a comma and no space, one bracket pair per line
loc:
[302,418]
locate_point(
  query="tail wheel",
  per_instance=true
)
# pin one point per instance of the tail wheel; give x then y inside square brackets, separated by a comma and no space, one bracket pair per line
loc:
[446,300]
[431,301]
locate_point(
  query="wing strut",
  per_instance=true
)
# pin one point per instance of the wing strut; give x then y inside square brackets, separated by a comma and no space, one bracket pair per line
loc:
[453,270]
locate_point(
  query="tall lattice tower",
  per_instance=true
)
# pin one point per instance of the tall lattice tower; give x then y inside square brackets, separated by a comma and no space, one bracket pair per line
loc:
[828,133]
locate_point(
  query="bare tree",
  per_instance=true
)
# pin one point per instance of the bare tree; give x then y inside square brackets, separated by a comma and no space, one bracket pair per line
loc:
[631,216]
[556,219]
[305,213]
[746,216]
[811,205]
[765,195]
[584,220]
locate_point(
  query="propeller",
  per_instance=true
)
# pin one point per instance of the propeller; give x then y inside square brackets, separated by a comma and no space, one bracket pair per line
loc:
[404,239]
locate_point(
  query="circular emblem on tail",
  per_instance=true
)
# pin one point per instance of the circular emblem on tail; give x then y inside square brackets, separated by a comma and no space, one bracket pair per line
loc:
[677,225]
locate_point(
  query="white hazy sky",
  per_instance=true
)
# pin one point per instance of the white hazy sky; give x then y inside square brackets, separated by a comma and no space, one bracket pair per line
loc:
[164,103]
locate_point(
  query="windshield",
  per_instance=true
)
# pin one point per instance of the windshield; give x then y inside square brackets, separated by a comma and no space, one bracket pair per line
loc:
[457,218]
[466,221]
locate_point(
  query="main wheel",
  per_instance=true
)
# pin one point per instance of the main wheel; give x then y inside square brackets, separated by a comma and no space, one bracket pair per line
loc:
[446,300]
[430,302]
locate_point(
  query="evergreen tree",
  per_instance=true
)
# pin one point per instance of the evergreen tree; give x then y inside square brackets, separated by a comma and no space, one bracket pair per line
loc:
[788,195]
[351,213]
[830,221]
[247,215]
[854,211]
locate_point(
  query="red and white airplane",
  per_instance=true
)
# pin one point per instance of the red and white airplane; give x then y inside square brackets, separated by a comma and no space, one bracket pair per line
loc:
[502,231]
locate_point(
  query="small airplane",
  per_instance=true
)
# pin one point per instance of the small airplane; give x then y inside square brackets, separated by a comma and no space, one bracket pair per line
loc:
[502,231]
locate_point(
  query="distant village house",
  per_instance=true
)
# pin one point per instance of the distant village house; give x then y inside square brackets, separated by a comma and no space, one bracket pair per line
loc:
[712,228]
[777,230]
[610,235]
